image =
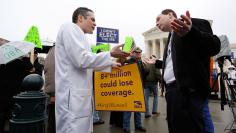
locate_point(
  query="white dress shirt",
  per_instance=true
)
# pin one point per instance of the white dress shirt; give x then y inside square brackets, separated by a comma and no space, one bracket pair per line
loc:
[169,71]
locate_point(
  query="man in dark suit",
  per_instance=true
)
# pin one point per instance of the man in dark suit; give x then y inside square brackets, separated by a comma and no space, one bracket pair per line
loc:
[186,69]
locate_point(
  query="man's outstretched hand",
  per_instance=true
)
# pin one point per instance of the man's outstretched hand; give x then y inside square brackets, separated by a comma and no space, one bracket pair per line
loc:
[149,61]
[182,26]
[118,53]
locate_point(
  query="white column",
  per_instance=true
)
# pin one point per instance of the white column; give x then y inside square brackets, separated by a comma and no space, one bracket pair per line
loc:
[161,47]
[149,48]
[146,48]
[154,47]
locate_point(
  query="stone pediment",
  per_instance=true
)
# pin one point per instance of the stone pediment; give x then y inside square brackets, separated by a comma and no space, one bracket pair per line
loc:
[152,31]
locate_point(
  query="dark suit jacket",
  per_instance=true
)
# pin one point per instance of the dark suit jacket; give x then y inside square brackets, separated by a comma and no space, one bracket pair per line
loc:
[191,57]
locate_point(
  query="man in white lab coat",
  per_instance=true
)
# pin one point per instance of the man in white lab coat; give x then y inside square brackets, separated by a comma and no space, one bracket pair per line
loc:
[74,63]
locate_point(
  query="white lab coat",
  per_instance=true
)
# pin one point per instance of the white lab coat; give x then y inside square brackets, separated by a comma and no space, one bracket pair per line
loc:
[74,63]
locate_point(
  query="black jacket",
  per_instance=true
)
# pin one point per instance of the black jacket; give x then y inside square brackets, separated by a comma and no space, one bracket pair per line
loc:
[38,67]
[191,57]
[11,77]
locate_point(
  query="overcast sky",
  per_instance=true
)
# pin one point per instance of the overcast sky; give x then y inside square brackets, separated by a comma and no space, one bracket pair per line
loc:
[131,17]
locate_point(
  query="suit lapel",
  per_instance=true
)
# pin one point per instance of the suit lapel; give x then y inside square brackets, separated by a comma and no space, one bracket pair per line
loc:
[165,50]
[164,57]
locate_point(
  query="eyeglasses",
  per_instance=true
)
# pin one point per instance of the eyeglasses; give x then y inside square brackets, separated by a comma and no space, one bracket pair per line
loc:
[137,52]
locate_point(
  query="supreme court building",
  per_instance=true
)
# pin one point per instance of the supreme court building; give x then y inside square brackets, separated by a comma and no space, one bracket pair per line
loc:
[155,41]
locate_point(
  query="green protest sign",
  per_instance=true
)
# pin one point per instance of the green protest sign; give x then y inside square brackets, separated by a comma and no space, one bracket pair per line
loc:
[129,44]
[102,46]
[33,36]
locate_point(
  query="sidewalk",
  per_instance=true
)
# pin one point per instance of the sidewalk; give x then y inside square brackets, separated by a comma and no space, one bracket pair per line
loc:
[158,124]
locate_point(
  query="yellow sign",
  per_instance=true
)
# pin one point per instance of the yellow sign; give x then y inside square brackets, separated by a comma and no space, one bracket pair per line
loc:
[120,90]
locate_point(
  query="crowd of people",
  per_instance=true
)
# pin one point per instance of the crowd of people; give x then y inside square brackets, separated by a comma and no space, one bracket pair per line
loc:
[185,76]
[11,77]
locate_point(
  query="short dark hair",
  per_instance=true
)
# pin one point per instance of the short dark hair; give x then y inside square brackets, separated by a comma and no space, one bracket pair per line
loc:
[80,11]
[36,50]
[167,11]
